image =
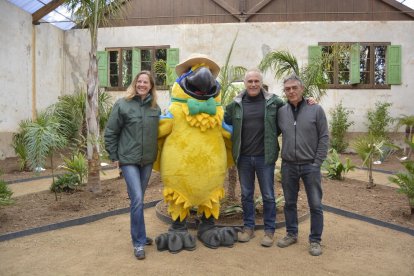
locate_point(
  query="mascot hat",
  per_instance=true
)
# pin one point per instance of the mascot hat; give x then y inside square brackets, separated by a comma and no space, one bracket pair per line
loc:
[195,59]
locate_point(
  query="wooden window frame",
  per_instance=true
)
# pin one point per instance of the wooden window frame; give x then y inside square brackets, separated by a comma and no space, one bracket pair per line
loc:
[372,65]
[120,49]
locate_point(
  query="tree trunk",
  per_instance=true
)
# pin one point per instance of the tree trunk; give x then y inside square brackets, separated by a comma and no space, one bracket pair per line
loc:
[371,183]
[231,189]
[94,181]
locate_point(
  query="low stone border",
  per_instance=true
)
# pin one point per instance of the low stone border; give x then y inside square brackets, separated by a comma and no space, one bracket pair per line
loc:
[92,218]
[368,219]
[22,180]
[69,223]
[193,225]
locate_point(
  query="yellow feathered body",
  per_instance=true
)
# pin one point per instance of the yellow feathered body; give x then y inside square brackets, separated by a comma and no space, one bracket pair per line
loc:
[192,158]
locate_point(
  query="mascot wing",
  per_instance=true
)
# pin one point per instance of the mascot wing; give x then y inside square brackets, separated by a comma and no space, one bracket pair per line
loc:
[164,129]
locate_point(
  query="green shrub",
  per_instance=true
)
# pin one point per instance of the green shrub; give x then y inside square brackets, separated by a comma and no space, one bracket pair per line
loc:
[339,125]
[379,120]
[76,164]
[5,193]
[405,180]
[68,182]
[335,168]
[369,148]
[19,146]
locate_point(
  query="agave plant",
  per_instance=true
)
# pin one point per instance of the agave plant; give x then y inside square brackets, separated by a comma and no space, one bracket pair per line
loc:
[369,148]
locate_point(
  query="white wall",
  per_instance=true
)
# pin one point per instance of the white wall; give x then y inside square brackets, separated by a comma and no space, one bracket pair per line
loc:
[62,58]
[16,55]
[254,38]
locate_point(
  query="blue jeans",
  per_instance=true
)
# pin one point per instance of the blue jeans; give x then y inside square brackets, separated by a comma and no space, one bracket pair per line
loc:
[248,167]
[311,176]
[137,178]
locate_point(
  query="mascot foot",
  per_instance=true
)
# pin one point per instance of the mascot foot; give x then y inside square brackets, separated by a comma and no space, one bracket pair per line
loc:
[176,239]
[213,237]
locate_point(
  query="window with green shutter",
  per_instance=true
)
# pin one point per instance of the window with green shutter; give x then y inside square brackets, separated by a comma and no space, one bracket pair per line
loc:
[102,68]
[394,64]
[362,65]
[173,58]
[123,64]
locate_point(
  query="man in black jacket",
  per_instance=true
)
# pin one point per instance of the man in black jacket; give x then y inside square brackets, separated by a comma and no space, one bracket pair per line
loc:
[305,139]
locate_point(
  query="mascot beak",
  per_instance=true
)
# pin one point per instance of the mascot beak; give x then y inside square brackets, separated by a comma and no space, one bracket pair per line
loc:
[201,84]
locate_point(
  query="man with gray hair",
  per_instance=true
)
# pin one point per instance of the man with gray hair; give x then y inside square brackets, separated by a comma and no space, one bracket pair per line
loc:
[305,139]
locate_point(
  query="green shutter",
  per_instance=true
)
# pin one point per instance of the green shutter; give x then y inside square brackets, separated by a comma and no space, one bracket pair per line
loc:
[172,61]
[314,53]
[355,64]
[102,68]
[136,62]
[394,64]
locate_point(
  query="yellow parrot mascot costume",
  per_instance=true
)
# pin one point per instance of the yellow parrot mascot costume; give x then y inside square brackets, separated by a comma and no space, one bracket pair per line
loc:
[192,156]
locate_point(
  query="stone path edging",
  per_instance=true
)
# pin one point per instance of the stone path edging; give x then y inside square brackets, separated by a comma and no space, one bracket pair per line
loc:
[377,222]
[193,225]
[92,218]
[69,223]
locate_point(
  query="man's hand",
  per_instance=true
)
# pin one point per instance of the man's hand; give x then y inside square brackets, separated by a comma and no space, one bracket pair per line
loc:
[311,101]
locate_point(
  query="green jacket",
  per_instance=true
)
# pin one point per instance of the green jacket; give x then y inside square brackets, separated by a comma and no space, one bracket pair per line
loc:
[234,116]
[132,130]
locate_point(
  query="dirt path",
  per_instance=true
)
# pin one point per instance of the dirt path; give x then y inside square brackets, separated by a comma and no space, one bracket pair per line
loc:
[351,247]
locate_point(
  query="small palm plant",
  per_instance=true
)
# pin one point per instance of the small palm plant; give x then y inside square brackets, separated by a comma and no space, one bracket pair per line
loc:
[408,122]
[369,148]
[76,164]
[335,168]
[42,138]
[405,180]
[19,146]
[5,193]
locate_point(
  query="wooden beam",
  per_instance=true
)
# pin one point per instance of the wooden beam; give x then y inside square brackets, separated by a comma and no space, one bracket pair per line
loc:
[257,8]
[40,13]
[228,8]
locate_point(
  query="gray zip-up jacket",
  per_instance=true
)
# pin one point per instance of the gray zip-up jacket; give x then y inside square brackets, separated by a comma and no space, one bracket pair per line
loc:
[304,140]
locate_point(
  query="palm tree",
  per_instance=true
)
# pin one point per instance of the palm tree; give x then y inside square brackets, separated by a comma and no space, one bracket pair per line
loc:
[92,14]
[228,75]
[369,148]
[313,75]
[408,122]
[405,180]
[41,139]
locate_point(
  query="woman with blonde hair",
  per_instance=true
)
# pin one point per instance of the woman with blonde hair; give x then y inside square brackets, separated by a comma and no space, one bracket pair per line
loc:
[131,141]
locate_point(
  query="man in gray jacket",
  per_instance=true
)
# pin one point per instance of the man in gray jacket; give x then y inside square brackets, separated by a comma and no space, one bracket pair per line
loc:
[305,139]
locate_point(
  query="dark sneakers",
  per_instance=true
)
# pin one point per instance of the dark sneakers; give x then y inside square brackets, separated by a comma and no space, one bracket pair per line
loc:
[139,252]
[149,241]
[287,240]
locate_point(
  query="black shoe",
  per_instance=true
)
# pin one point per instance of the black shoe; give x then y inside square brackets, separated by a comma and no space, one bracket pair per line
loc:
[139,252]
[149,241]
